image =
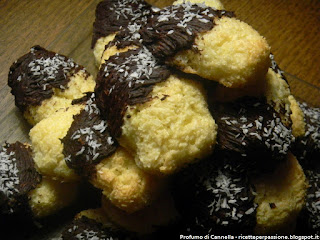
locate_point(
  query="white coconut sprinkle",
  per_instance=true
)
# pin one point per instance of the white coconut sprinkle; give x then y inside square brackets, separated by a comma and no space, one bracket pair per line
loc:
[9,178]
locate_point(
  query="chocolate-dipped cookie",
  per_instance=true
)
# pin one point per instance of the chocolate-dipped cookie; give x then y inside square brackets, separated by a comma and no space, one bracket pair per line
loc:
[24,191]
[198,39]
[251,131]
[215,196]
[162,118]
[43,81]
[87,140]
[111,16]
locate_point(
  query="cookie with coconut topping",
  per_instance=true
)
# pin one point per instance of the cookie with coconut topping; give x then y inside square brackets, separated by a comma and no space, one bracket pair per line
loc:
[43,82]
[309,220]
[87,140]
[198,39]
[18,176]
[111,16]
[214,196]
[307,147]
[24,191]
[163,119]
[251,130]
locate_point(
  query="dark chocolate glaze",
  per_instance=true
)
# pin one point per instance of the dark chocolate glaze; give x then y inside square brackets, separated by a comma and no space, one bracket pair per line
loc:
[85,228]
[113,15]
[33,76]
[126,79]
[309,219]
[215,197]
[88,140]
[307,148]
[18,177]
[250,131]
[175,27]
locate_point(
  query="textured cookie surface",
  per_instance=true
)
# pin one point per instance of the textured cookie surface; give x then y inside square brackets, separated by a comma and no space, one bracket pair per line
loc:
[280,196]
[173,129]
[124,184]
[51,196]
[46,141]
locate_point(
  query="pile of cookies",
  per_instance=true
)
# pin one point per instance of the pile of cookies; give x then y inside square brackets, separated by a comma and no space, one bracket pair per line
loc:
[188,128]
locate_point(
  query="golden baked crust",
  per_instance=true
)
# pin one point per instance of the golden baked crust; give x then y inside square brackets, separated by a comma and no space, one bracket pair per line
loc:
[47,147]
[124,184]
[51,196]
[145,221]
[297,118]
[173,129]
[79,84]
[280,196]
[232,53]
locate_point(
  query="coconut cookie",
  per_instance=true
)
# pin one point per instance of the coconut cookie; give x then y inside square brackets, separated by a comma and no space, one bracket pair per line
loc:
[280,198]
[87,140]
[208,42]
[252,132]
[161,118]
[24,190]
[215,196]
[110,17]
[125,185]
[44,82]
[46,138]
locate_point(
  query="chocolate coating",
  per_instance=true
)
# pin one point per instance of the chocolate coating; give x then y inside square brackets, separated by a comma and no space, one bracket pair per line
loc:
[33,76]
[309,221]
[307,148]
[215,197]
[250,131]
[88,140]
[113,15]
[85,228]
[126,79]
[175,27]
[18,177]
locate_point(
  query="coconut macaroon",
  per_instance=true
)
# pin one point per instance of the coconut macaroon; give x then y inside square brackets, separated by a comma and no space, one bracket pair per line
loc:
[124,184]
[162,119]
[147,220]
[208,42]
[24,190]
[280,198]
[44,82]
[47,146]
[110,17]
[215,195]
